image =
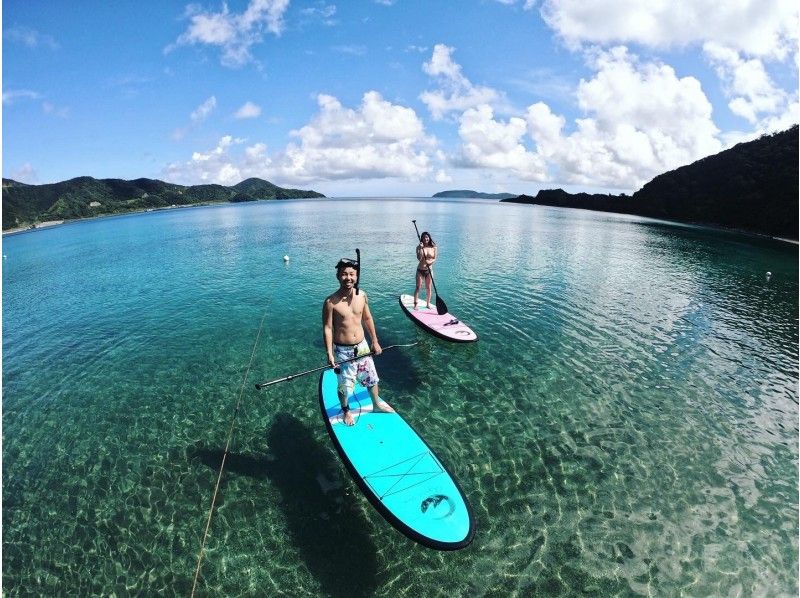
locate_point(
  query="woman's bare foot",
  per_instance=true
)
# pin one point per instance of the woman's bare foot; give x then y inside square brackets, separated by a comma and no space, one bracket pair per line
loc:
[381,405]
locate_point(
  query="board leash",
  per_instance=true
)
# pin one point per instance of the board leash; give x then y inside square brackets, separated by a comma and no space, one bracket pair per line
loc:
[224,456]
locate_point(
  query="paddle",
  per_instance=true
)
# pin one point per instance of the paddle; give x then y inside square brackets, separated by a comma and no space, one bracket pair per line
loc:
[441,307]
[261,385]
[358,268]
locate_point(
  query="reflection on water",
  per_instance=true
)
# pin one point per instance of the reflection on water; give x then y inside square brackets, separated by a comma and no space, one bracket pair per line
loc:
[626,424]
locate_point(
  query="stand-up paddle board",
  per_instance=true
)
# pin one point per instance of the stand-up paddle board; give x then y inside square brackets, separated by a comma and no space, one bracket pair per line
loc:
[445,326]
[397,471]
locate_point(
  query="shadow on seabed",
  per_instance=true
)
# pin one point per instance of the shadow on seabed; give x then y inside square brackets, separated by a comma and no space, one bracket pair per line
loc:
[327,527]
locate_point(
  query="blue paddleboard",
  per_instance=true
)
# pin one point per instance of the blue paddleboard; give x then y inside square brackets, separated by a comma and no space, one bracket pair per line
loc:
[397,471]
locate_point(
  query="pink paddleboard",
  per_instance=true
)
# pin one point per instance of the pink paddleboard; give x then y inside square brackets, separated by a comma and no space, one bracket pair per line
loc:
[446,326]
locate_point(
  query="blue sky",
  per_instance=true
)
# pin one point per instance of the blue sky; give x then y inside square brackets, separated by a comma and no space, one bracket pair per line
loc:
[391,97]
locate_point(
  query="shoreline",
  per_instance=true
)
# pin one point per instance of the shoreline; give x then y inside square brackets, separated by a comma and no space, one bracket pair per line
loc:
[55,223]
[717,227]
[45,224]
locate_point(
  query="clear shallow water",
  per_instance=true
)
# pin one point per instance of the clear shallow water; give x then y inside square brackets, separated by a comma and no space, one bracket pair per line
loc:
[627,423]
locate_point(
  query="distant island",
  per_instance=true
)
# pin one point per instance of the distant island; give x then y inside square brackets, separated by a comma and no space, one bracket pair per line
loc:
[751,187]
[473,194]
[26,206]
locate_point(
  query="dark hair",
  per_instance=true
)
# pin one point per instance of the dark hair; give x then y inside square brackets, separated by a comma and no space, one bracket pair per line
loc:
[433,243]
[346,262]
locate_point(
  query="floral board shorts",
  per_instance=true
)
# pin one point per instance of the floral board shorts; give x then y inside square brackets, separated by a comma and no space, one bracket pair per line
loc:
[362,370]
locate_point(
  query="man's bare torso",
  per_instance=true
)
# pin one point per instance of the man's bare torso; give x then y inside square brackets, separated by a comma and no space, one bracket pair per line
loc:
[347,313]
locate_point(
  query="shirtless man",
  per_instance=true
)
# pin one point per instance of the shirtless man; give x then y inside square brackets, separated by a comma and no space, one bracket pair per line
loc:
[345,314]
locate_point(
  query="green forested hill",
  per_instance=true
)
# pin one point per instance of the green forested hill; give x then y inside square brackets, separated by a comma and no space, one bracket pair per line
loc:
[752,187]
[83,197]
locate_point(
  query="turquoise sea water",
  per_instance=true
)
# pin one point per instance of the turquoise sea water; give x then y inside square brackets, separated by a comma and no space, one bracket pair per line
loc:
[627,423]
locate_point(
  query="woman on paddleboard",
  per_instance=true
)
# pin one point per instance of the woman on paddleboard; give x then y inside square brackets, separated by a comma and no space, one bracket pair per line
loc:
[345,315]
[426,254]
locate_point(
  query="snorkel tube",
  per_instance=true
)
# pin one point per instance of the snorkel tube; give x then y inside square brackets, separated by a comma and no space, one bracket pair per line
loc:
[358,268]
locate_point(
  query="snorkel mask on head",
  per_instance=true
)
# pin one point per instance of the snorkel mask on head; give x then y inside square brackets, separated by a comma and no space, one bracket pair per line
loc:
[346,262]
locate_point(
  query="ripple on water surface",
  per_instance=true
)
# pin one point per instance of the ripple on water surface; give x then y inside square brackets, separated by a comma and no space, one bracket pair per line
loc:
[627,423]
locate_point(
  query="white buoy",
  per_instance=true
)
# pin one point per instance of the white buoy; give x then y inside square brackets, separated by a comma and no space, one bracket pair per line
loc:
[768,275]
[285,258]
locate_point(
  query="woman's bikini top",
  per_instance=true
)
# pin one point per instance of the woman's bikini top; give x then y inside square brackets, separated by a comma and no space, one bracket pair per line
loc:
[427,253]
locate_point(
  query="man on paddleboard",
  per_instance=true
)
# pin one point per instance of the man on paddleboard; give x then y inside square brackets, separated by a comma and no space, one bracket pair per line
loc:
[345,315]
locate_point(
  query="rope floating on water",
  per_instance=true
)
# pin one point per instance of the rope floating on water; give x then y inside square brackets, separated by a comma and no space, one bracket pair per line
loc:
[230,434]
[224,456]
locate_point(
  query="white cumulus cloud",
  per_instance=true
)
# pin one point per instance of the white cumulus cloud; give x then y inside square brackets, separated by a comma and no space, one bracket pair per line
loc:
[13,95]
[204,110]
[443,177]
[233,33]
[378,139]
[456,93]
[641,120]
[324,11]
[197,116]
[52,109]
[248,110]
[25,174]
[740,39]
[766,28]
[30,37]
[488,143]
[214,166]
[754,96]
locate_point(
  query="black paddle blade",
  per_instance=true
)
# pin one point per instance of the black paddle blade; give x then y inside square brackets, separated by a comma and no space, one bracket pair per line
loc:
[441,308]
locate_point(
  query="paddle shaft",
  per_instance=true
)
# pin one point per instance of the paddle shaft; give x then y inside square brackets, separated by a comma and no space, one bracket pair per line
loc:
[441,308]
[358,261]
[261,385]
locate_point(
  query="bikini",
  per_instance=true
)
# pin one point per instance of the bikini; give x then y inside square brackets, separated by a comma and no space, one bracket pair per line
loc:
[425,271]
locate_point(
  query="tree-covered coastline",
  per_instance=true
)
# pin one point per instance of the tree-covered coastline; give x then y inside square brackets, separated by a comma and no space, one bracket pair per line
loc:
[85,197]
[752,187]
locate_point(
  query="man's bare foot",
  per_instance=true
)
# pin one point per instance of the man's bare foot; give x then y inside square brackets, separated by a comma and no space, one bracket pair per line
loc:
[381,405]
[348,419]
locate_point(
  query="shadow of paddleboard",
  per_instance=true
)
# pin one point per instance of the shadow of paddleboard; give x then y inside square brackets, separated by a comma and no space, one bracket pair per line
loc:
[327,527]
